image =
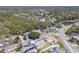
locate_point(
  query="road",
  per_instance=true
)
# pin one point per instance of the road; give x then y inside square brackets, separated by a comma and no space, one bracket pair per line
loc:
[64,38]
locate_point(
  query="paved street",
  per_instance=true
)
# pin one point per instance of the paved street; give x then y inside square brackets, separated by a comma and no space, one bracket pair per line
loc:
[64,38]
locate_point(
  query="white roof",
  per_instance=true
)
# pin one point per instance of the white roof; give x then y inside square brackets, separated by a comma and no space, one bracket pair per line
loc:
[40,43]
[1,45]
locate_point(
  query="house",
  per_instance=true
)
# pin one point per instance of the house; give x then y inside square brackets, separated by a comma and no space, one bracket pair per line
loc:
[74,34]
[39,43]
[57,50]
[2,47]
[29,49]
[32,50]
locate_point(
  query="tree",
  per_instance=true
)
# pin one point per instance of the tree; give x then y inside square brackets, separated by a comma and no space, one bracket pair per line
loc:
[34,35]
